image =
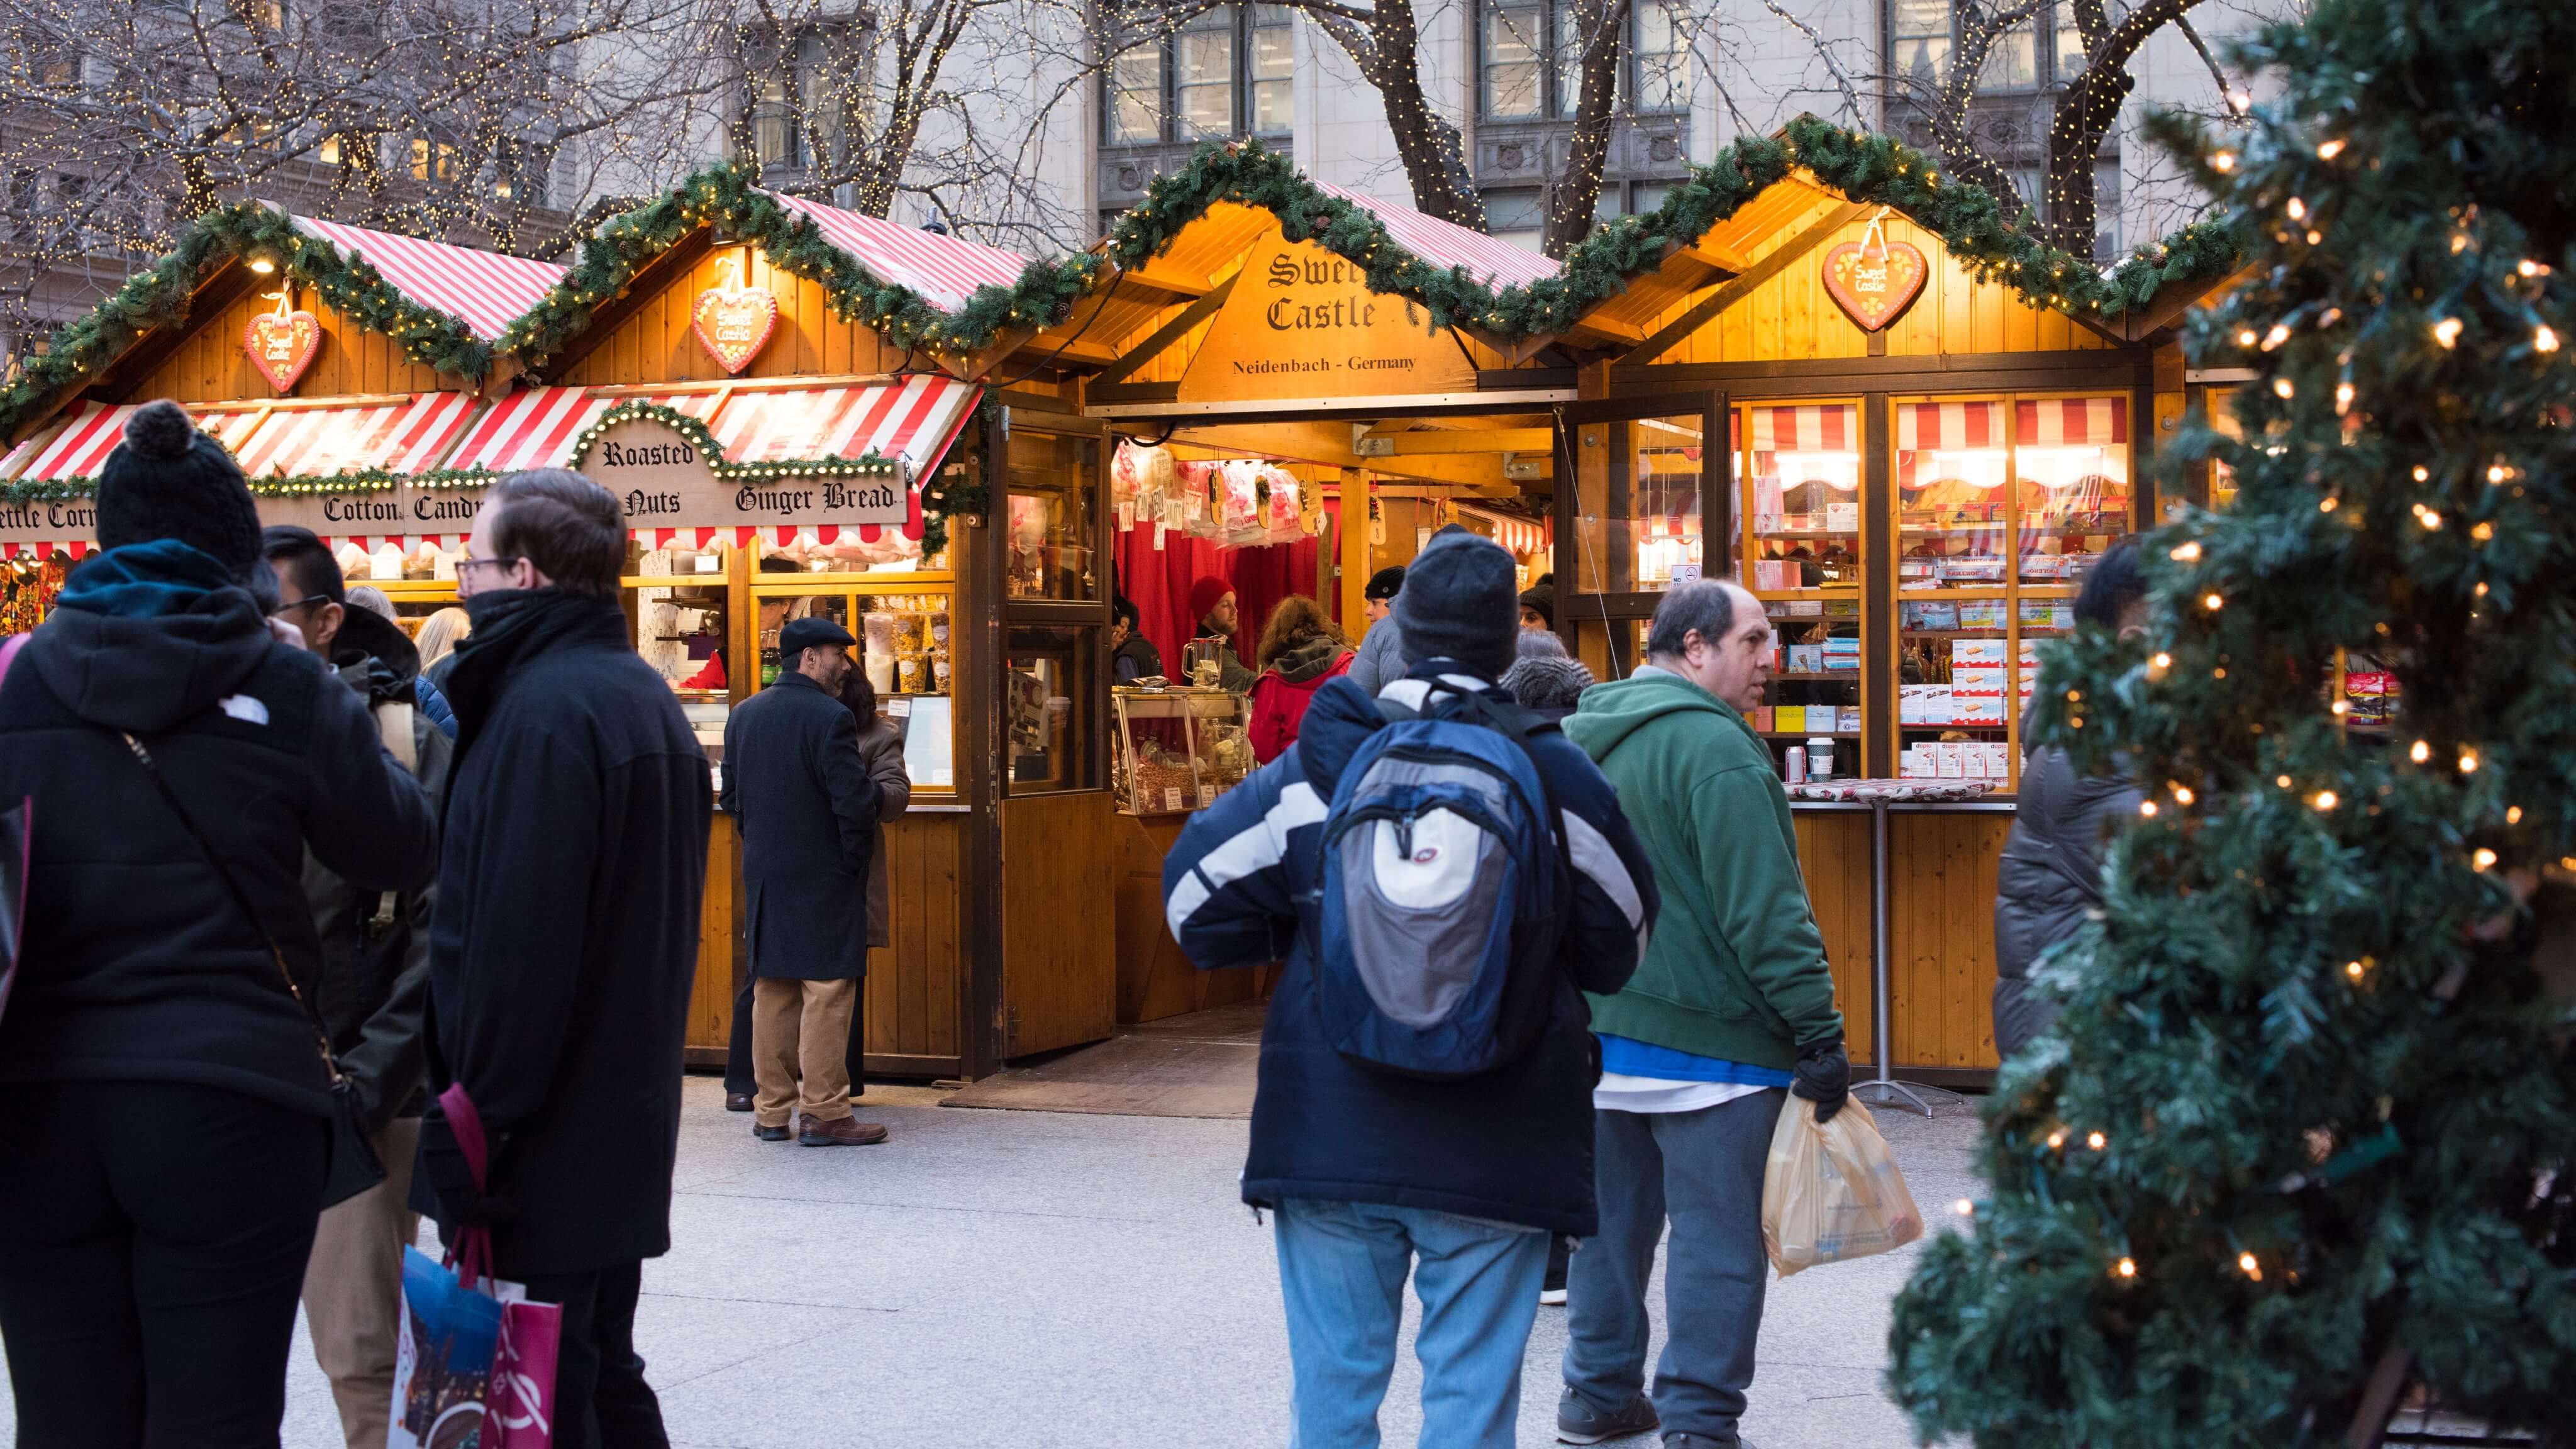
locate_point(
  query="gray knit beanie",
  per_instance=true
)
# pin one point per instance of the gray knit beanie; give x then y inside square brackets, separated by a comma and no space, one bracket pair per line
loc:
[1459,603]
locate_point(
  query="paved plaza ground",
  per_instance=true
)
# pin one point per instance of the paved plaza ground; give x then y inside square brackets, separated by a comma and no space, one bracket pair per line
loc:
[1005,1278]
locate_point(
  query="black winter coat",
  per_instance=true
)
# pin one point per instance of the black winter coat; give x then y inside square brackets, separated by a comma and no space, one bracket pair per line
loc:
[797,789]
[2050,875]
[566,936]
[374,987]
[137,965]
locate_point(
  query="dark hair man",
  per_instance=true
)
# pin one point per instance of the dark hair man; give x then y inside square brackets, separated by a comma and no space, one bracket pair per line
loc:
[1132,656]
[372,991]
[1732,1003]
[799,793]
[566,936]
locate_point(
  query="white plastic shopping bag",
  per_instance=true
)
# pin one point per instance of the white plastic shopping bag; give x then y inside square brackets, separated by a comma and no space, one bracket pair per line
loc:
[1831,1190]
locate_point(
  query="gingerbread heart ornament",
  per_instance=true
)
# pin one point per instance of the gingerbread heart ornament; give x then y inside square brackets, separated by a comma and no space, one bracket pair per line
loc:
[734,323]
[282,345]
[1874,281]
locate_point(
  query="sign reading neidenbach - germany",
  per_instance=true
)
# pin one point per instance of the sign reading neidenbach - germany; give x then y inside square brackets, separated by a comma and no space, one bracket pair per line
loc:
[1302,323]
[663,480]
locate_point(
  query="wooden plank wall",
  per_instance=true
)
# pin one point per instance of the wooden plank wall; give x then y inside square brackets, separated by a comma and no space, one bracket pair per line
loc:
[1059,920]
[1154,979]
[1791,317]
[711,999]
[210,366]
[914,986]
[1942,918]
[1833,854]
[657,342]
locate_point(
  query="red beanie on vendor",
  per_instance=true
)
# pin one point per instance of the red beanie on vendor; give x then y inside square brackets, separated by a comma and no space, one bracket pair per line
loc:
[1204,595]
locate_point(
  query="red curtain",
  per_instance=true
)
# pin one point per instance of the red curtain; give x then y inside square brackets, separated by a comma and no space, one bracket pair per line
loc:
[1159,580]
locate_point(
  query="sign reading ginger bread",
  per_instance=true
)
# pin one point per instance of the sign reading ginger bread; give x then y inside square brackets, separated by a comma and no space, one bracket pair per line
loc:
[1303,323]
[665,479]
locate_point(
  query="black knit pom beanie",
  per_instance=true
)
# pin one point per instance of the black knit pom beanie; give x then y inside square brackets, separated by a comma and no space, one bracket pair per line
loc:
[168,479]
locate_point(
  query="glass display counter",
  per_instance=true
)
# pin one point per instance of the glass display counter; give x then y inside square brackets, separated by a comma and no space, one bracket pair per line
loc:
[1176,750]
[903,625]
[1802,538]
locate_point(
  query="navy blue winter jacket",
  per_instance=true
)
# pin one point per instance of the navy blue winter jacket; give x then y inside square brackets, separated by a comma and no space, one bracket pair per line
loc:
[1241,886]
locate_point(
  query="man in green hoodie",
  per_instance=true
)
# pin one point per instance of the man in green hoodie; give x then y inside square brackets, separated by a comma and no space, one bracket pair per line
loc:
[1732,1003]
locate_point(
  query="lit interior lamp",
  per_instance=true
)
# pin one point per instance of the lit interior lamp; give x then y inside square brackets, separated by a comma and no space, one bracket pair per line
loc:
[262,265]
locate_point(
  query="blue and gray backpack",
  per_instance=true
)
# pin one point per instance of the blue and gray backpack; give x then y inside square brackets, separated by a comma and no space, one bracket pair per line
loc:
[1442,883]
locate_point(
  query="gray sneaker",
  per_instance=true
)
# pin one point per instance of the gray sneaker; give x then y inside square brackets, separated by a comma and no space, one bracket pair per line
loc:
[1577,1422]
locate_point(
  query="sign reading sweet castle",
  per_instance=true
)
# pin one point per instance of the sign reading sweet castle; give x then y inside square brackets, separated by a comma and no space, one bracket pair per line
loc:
[1303,323]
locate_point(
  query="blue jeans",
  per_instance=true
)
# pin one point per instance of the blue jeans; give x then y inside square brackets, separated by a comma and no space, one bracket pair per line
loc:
[1702,1171]
[1341,1271]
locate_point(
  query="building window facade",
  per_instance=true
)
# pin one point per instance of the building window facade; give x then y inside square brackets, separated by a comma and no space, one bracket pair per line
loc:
[1224,73]
[1530,53]
[798,101]
[2043,52]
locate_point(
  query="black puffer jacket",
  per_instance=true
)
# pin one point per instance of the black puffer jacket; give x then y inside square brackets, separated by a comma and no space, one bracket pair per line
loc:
[374,985]
[137,964]
[2050,875]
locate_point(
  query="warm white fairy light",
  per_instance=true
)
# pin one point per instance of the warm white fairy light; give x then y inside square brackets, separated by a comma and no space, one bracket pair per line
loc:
[2326,800]
[2185,553]
[2182,794]
[2328,150]
[2096,1141]
[2484,859]
[2212,602]
[2468,762]
[2447,331]
[2283,388]
[2246,337]
[2543,340]
[2126,1268]
[2274,338]
[2420,752]
[2147,808]
[2247,1264]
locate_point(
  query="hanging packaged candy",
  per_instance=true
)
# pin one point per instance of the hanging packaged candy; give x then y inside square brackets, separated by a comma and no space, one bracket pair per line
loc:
[1139,476]
[1239,498]
[1279,509]
[1198,514]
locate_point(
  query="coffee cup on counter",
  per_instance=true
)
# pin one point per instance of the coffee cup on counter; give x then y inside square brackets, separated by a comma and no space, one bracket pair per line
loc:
[1820,757]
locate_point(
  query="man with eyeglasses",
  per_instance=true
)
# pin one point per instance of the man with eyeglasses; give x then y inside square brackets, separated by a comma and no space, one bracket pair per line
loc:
[566,937]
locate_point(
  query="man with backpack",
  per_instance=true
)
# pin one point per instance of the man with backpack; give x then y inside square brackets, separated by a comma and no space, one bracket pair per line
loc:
[1443,874]
[1733,1004]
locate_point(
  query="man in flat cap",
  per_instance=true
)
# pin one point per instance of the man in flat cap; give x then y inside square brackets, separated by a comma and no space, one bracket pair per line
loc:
[807,811]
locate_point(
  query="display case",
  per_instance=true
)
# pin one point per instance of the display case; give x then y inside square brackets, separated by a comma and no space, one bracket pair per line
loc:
[1052,536]
[904,626]
[1802,542]
[2002,504]
[1642,491]
[1176,750]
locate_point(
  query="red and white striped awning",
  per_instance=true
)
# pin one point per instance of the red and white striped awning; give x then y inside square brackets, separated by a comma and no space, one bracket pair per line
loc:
[83,444]
[486,291]
[1829,428]
[2071,422]
[1951,425]
[1447,244]
[914,418]
[945,270]
[397,437]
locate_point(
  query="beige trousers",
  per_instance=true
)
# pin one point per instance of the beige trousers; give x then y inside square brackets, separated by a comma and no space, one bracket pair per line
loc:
[800,1031]
[353,1289]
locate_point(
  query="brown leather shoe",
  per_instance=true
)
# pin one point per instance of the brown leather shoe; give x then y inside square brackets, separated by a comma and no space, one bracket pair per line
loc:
[812,1131]
[778,1133]
[737,1101]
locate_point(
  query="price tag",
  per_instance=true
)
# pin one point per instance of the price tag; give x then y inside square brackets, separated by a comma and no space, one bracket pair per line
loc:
[1172,797]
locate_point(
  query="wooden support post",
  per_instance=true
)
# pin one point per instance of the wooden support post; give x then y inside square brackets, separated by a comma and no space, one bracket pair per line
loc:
[1351,545]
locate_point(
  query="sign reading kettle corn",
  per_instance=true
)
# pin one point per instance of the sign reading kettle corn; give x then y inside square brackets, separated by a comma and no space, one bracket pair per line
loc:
[1303,323]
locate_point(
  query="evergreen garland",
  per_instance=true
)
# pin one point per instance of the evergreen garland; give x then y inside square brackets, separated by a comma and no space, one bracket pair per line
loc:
[160,296]
[1994,243]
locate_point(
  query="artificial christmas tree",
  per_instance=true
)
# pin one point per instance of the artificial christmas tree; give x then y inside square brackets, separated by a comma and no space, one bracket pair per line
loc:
[2302,1138]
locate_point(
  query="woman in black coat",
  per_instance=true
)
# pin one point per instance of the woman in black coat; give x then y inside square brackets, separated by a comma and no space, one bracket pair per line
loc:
[881,754]
[163,1103]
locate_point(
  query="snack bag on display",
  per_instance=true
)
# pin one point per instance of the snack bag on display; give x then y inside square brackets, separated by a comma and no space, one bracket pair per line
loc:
[1831,1190]
[1239,502]
[1198,515]
[1279,511]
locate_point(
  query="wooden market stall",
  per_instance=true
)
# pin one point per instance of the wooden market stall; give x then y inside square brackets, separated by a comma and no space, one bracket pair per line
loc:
[1833,376]
[726,362]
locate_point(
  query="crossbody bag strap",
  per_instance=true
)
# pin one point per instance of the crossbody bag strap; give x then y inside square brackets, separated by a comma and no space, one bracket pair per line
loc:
[169,796]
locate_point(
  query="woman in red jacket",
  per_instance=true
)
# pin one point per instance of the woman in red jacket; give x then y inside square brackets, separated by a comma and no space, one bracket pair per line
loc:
[1300,649]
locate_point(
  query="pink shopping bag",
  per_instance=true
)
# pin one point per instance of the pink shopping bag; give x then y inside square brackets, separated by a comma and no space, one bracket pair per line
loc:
[477,1360]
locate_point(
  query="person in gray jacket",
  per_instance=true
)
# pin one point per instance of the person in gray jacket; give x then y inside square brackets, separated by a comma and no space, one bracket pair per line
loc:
[2050,875]
[1379,661]
[881,755]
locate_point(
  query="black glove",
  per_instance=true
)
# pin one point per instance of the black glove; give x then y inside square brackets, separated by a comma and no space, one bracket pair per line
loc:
[1823,1076]
[459,1200]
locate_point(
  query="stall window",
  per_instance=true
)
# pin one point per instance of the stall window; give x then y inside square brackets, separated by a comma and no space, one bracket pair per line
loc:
[1802,546]
[904,648]
[2221,403]
[679,602]
[1054,489]
[2001,506]
[1637,514]
[1051,679]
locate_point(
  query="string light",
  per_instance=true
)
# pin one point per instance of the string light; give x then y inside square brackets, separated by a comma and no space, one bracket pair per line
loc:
[2057,1139]
[2182,794]
[2147,808]
[2326,800]
[2283,389]
[2245,1263]
[2126,1268]
[1964,1208]
[2543,340]
[2420,752]
[2162,660]
[2096,1141]
[2212,602]
[2328,150]
[2246,337]
[2355,969]
[2447,331]
[2223,162]
[2513,815]
[2482,532]
[2185,553]
[2483,859]
[2468,762]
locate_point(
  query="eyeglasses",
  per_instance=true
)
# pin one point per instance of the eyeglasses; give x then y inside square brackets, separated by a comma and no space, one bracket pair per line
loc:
[483,563]
[306,602]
